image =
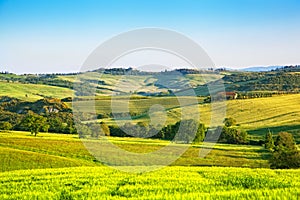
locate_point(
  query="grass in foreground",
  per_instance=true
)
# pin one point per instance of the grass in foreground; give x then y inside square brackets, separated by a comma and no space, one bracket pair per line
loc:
[167,183]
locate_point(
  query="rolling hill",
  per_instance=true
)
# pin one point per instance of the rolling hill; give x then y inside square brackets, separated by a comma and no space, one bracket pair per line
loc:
[32,92]
[59,166]
[258,115]
[20,150]
[252,111]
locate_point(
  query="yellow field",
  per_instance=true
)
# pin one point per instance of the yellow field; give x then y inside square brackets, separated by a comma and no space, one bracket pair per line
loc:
[167,183]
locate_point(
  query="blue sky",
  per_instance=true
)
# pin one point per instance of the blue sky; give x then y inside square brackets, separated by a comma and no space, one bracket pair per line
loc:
[58,35]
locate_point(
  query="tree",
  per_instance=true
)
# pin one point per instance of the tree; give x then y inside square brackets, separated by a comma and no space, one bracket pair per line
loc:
[61,122]
[213,135]
[200,134]
[142,129]
[169,131]
[241,137]
[233,136]
[117,131]
[55,123]
[35,123]
[286,154]
[95,129]
[105,129]
[188,131]
[83,130]
[5,126]
[229,121]
[129,129]
[285,142]
[269,142]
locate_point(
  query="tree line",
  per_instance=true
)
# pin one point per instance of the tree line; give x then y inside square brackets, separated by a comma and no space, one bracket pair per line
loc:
[184,131]
[45,115]
[45,79]
[262,81]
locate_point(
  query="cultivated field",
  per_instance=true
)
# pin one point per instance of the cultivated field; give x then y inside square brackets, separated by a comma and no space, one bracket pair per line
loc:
[58,166]
[20,150]
[168,183]
[141,83]
[257,116]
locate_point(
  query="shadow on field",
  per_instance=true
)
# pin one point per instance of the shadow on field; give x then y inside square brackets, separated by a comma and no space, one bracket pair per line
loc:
[273,117]
[294,129]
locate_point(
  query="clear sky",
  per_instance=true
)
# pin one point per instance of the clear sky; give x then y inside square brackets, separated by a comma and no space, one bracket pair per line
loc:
[57,35]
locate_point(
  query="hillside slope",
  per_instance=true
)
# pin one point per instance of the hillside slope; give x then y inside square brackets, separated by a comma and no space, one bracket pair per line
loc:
[257,115]
[31,92]
[20,150]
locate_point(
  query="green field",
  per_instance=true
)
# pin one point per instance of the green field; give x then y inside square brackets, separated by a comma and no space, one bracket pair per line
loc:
[257,116]
[33,91]
[26,173]
[20,150]
[167,183]
[59,166]
[139,83]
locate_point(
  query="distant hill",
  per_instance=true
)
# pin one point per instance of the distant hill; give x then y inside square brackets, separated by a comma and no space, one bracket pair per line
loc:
[122,81]
[278,81]
[261,69]
[272,68]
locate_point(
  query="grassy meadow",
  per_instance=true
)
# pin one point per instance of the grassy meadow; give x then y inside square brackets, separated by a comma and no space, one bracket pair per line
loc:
[20,150]
[58,166]
[167,183]
[33,91]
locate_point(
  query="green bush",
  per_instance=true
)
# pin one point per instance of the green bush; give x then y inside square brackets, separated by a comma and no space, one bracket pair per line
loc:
[5,126]
[286,154]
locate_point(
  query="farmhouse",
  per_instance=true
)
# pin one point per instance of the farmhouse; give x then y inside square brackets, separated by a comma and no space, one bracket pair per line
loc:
[228,95]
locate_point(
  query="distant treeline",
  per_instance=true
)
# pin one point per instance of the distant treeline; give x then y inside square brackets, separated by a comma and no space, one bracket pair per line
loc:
[45,79]
[290,68]
[284,80]
[263,81]
[184,131]
[131,71]
[246,84]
